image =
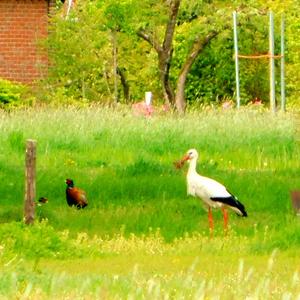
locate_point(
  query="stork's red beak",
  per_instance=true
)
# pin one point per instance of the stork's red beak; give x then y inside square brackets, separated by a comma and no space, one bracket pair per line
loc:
[179,164]
[185,158]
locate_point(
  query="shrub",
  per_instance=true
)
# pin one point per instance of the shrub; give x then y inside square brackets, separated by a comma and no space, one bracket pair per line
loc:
[13,95]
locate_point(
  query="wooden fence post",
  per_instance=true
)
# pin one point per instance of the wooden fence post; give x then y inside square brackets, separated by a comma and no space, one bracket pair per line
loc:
[30,160]
[295,197]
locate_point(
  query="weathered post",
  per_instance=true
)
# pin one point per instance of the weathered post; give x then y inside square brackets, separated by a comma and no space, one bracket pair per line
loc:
[295,197]
[30,172]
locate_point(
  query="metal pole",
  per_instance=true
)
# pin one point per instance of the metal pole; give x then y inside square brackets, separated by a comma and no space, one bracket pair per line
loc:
[236,58]
[272,64]
[282,66]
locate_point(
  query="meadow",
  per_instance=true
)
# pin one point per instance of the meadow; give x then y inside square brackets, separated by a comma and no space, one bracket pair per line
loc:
[141,237]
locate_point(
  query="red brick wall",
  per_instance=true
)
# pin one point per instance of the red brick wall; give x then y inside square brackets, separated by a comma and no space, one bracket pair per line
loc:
[22,24]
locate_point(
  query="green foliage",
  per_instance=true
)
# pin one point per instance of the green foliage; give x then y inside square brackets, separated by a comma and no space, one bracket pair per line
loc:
[80,49]
[19,237]
[212,78]
[77,66]
[115,14]
[12,95]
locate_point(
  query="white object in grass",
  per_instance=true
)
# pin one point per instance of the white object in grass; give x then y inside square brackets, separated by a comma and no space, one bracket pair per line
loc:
[212,193]
[148,98]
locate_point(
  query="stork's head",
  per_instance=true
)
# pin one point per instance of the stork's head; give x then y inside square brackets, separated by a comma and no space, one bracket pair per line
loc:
[191,154]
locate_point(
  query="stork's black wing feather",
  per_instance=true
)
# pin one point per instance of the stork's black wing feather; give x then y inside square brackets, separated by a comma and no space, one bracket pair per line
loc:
[233,202]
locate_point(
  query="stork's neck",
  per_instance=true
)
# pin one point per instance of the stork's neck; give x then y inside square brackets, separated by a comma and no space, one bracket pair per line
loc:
[192,166]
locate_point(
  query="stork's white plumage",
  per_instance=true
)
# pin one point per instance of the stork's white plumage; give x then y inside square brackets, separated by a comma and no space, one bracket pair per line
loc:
[212,193]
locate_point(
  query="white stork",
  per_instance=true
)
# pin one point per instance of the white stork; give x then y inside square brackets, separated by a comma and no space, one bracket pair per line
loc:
[212,193]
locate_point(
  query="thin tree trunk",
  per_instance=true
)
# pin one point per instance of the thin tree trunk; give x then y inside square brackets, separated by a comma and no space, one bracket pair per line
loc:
[115,65]
[124,83]
[198,46]
[164,69]
[166,57]
[107,81]
[165,51]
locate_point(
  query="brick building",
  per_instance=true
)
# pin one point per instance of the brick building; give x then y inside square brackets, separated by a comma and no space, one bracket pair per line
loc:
[22,24]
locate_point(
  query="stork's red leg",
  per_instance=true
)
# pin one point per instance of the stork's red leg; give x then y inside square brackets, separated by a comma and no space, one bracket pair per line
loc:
[225,216]
[211,221]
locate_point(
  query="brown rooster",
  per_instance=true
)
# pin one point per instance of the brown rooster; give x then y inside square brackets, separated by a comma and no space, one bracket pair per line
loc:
[75,196]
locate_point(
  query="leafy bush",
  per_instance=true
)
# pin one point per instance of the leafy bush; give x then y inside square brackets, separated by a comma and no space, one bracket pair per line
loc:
[18,238]
[80,49]
[12,94]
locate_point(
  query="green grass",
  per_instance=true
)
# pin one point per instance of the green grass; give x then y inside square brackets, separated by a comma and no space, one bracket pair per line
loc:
[125,164]
[120,267]
[138,204]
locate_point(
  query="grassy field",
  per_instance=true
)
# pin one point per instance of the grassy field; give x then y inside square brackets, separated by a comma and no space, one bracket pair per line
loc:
[141,237]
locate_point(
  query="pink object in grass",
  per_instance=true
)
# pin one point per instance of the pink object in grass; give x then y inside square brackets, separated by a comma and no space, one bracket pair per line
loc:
[142,109]
[227,104]
[256,101]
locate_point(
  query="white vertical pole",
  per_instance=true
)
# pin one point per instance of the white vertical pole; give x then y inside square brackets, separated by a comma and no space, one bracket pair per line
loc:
[282,66]
[237,79]
[272,63]
[148,98]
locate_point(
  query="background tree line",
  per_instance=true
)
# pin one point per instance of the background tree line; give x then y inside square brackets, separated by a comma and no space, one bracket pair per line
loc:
[181,50]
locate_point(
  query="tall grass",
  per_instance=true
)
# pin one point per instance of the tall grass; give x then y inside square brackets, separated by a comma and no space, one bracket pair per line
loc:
[119,267]
[125,164]
[141,237]
[242,281]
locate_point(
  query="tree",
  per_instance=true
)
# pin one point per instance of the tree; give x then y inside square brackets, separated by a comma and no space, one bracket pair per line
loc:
[198,46]
[181,50]
[165,49]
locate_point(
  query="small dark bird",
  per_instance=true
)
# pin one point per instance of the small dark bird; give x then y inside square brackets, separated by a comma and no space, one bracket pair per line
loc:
[75,196]
[43,200]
